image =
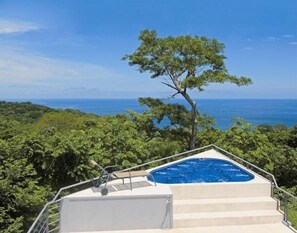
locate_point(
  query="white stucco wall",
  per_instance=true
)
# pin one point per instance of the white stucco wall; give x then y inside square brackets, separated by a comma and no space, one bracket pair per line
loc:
[116,213]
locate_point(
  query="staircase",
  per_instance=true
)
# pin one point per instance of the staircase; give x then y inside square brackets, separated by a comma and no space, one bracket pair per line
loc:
[208,205]
[224,208]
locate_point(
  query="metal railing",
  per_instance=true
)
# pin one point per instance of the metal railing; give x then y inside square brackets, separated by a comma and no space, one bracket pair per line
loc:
[49,218]
[168,159]
[287,201]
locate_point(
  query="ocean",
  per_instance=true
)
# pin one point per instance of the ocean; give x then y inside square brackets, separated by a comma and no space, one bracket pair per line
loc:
[255,111]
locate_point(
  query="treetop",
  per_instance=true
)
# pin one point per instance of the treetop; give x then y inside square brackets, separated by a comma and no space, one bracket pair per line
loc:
[189,61]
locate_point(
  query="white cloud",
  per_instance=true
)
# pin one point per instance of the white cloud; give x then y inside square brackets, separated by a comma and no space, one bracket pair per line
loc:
[293,43]
[17,67]
[24,74]
[8,26]
[288,36]
[271,39]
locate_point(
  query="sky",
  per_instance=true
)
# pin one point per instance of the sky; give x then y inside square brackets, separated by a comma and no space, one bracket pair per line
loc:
[74,48]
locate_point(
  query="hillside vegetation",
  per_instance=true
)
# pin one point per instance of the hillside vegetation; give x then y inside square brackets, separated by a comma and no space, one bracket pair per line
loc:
[42,150]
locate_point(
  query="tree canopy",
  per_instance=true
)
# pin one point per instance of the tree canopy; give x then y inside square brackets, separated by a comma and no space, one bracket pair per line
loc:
[190,62]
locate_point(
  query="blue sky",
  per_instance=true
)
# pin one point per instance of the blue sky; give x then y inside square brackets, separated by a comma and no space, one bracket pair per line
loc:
[73,48]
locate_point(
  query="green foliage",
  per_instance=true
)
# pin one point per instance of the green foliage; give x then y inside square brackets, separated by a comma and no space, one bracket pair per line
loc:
[24,112]
[21,196]
[57,122]
[265,128]
[178,117]
[292,139]
[250,144]
[292,215]
[175,56]
[283,136]
[66,158]
[209,136]
[9,127]
[285,165]
[124,144]
[37,157]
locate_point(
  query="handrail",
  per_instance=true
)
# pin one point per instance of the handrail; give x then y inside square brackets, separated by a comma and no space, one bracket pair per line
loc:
[44,209]
[165,158]
[38,217]
[252,165]
[72,186]
[287,193]
[260,169]
[274,184]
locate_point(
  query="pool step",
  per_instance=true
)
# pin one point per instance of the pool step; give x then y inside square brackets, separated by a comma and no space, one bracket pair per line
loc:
[201,219]
[218,190]
[224,204]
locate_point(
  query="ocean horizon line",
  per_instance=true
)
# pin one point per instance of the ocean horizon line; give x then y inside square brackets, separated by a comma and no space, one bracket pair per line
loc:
[28,99]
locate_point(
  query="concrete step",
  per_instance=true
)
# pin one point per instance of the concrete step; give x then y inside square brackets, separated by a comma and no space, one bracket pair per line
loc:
[221,190]
[261,228]
[224,204]
[226,218]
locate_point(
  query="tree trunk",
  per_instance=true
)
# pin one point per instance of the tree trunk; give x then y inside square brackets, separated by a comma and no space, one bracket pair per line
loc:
[194,126]
[192,143]
[182,91]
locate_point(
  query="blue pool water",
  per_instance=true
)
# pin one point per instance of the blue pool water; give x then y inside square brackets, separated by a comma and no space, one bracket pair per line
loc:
[200,171]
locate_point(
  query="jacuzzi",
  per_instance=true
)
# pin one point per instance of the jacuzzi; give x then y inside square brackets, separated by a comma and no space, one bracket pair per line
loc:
[200,170]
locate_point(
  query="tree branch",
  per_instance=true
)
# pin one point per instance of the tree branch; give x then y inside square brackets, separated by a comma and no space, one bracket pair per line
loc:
[171,96]
[173,87]
[181,73]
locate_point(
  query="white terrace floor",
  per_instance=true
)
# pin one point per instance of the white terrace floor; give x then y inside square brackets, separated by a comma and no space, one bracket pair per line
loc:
[259,228]
[237,207]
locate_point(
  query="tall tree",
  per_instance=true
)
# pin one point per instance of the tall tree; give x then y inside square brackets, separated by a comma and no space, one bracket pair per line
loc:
[185,63]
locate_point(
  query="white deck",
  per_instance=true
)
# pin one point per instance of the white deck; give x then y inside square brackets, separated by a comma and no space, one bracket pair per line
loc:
[260,228]
[233,203]
[93,192]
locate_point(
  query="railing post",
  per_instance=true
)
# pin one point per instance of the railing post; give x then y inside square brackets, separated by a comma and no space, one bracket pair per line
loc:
[47,220]
[285,208]
[272,187]
[59,215]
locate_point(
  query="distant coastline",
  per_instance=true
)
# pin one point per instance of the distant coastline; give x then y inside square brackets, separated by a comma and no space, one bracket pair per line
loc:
[255,111]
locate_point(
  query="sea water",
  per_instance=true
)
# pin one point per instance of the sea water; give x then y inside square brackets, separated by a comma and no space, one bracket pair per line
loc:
[255,111]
